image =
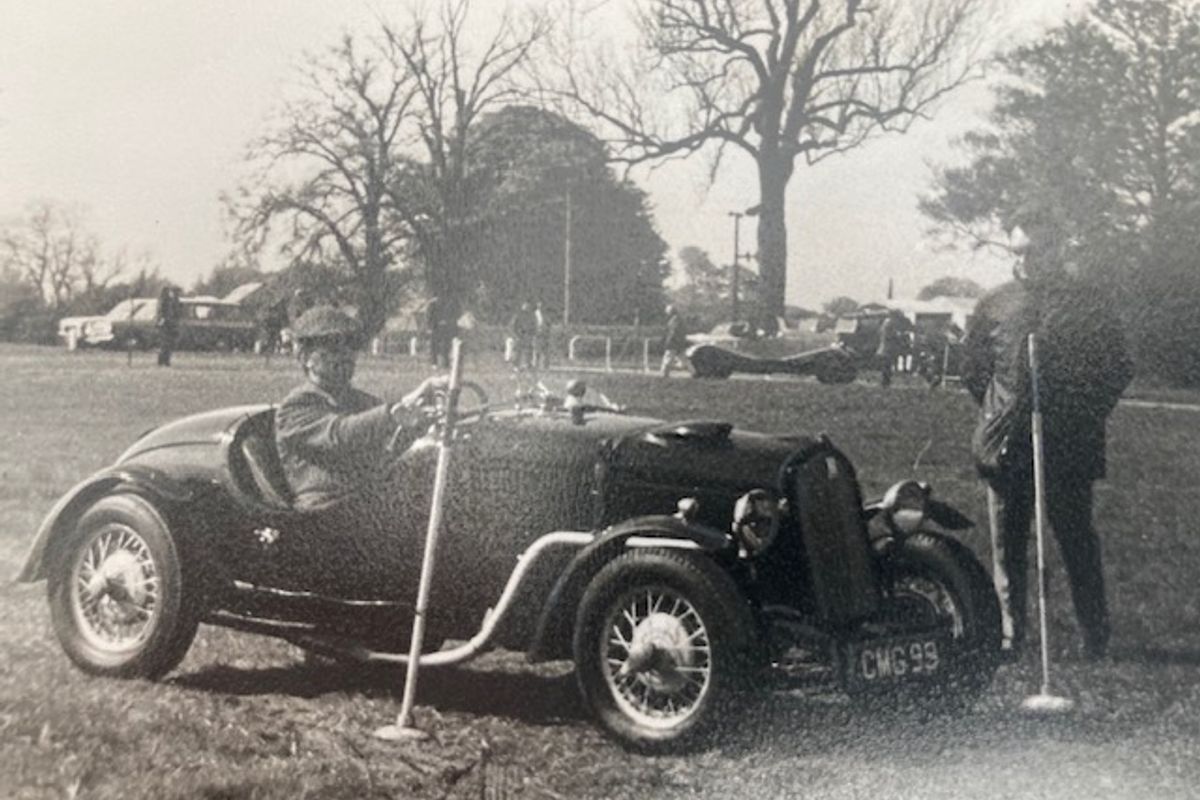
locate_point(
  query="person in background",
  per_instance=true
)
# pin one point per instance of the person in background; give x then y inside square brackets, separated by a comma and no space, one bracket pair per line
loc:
[674,342]
[524,329]
[441,317]
[1083,368]
[167,321]
[541,341]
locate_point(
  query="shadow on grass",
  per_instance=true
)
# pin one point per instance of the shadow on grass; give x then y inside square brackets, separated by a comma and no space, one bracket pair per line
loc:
[524,696]
[1157,656]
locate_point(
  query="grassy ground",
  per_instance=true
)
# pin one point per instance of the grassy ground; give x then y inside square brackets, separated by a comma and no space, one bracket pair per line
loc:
[242,717]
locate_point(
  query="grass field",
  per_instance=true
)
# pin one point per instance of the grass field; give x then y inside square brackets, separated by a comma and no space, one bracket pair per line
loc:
[242,717]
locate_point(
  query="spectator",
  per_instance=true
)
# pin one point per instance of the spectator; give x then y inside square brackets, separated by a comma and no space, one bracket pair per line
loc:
[892,340]
[541,342]
[167,321]
[674,342]
[1083,369]
[524,329]
[441,317]
[274,320]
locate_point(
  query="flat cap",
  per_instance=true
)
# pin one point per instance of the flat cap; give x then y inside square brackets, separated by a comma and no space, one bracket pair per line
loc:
[326,322]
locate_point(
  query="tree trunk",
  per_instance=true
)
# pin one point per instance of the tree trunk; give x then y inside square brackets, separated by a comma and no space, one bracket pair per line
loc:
[773,176]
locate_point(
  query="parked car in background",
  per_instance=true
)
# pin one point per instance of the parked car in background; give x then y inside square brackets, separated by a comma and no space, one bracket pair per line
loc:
[205,323]
[736,347]
[74,331]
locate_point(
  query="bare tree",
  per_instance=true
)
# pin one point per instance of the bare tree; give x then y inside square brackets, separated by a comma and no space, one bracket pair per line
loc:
[439,193]
[54,254]
[324,169]
[780,80]
[368,165]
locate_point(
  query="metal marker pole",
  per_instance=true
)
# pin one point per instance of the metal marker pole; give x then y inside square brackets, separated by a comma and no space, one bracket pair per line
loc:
[403,728]
[1044,700]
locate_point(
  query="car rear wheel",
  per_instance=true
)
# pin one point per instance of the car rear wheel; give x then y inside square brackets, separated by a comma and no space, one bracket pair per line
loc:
[118,601]
[661,639]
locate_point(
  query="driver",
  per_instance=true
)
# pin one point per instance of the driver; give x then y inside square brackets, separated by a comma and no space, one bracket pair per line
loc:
[332,438]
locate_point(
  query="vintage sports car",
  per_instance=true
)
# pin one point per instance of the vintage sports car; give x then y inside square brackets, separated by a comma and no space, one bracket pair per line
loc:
[831,364]
[676,563]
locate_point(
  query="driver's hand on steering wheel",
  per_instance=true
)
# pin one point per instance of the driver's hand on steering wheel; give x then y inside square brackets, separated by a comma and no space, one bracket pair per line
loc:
[417,406]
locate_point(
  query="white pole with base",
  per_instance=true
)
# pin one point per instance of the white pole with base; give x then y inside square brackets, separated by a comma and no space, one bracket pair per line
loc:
[403,728]
[1044,701]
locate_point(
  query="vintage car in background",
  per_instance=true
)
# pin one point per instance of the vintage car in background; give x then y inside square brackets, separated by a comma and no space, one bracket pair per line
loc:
[738,347]
[675,562]
[74,331]
[205,323]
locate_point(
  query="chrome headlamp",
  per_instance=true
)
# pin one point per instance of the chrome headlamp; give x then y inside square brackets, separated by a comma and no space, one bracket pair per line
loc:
[905,505]
[756,521]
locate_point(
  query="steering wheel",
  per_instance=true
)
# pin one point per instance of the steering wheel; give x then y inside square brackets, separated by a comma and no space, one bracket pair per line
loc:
[441,398]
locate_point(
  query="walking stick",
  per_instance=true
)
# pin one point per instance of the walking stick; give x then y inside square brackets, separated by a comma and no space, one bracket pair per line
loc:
[1045,700]
[403,728]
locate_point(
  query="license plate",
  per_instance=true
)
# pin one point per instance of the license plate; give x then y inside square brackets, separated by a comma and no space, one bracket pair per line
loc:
[874,662]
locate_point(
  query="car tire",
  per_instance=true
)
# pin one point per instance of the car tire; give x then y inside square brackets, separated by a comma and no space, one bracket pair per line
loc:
[119,601]
[929,579]
[686,615]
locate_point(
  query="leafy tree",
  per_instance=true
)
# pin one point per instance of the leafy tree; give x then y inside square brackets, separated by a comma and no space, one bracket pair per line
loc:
[536,168]
[781,81]
[1099,123]
[950,286]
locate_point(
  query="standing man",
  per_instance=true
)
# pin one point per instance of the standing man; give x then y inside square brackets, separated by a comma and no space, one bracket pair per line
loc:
[891,337]
[441,317]
[1083,367]
[167,321]
[541,341]
[674,342]
[524,328]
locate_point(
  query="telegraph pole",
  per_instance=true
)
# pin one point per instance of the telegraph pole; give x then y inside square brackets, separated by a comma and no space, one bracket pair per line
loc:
[733,283]
[567,263]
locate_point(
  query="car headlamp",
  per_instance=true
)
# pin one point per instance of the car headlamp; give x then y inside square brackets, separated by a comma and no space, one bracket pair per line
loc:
[755,521]
[905,505]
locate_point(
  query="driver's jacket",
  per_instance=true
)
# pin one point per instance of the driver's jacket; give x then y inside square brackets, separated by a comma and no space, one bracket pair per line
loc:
[331,446]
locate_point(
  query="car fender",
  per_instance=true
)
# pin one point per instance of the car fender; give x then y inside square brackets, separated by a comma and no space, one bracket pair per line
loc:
[552,634]
[146,481]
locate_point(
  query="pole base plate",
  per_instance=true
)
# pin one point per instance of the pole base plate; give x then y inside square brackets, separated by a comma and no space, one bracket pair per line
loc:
[400,733]
[1045,703]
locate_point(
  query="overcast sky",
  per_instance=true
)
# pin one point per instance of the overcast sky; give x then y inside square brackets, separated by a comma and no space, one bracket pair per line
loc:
[138,111]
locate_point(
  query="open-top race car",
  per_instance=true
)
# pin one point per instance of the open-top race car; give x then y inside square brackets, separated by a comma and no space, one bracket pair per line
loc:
[676,563]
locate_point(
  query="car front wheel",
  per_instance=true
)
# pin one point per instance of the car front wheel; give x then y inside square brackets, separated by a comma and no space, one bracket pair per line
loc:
[933,582]
[117,597]
[661,638]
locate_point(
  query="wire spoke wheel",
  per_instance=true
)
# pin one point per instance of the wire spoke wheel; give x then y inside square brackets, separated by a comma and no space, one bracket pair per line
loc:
[661,641]
[119,598]
[657,657]
[921,602]
[114,589]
